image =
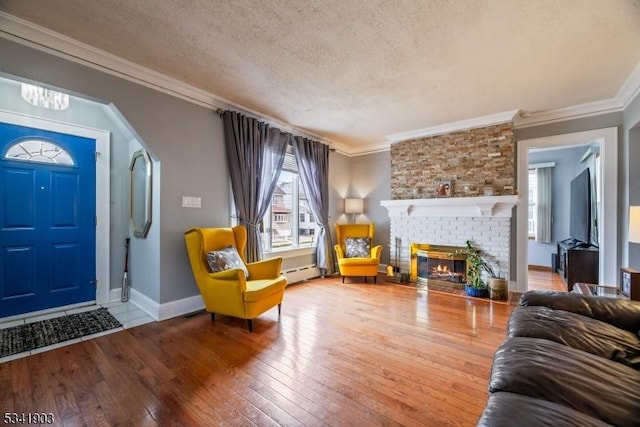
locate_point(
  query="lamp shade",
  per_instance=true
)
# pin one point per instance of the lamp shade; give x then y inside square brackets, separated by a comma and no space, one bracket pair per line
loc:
[353,206]
[634,224]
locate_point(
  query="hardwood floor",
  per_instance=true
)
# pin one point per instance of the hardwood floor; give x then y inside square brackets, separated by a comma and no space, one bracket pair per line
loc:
[342,354]
[545,280]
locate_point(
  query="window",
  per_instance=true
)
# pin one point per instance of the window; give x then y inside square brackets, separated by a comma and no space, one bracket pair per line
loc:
[533,198]
[288,203]
[39,151]
[280,218]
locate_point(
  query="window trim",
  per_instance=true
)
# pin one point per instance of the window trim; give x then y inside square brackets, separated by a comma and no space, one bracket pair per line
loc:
[532,235]
[295,248]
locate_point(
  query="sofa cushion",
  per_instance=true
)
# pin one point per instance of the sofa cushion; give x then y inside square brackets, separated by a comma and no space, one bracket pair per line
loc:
[357,247]
[557,373]
[353,262]
[624,314]
[226,259]
[579,332]
[508,409]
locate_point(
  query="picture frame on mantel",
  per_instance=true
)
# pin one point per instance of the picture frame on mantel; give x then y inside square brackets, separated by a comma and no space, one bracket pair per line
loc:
[444,188]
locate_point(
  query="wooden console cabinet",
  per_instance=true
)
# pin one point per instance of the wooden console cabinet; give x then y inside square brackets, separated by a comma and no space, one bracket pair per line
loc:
[577,262]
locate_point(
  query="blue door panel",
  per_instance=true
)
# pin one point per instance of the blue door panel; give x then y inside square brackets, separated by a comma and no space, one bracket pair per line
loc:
[64,202]
[19,280]
[47,216]
[18,205]
[65,268]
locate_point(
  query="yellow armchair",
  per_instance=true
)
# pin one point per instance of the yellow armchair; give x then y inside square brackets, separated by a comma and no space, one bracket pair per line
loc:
[229,292]
[358,265]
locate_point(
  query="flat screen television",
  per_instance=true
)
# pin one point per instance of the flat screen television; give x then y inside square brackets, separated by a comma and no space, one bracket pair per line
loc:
[580,208]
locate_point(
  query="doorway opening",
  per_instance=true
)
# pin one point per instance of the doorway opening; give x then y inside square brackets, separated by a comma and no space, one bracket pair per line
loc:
[606,140]
[102,188]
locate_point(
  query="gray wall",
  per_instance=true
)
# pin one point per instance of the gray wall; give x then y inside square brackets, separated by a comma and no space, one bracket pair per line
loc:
[631,141]
[185,137]
[566,160]
[339,179]
[370,179]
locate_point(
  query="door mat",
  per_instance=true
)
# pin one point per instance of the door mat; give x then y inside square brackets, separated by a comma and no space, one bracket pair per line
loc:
[30,336]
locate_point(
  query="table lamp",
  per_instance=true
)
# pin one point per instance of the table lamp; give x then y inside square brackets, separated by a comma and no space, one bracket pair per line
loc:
[353,207]
[634,224]
[630,278]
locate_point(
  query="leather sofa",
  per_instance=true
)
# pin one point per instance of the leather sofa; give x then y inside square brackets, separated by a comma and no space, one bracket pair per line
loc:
[568,360]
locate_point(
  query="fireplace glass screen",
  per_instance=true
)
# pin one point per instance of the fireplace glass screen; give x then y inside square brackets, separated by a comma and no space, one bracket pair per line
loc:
[448,270]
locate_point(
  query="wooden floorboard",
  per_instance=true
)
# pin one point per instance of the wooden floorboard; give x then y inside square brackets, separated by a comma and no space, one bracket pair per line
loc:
[359,354]
[545,280]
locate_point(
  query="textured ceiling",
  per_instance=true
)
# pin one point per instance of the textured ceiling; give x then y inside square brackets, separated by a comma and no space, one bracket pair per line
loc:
[357,71]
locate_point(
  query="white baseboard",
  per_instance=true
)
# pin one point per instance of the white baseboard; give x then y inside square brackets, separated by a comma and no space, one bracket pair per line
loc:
[115,294]
[180,307]
[146,304]
[160,311]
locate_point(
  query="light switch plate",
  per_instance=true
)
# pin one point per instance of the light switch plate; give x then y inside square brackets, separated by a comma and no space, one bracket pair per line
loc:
[191,202]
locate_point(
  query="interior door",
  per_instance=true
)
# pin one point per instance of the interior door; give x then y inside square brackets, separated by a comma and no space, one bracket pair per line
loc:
[47,219]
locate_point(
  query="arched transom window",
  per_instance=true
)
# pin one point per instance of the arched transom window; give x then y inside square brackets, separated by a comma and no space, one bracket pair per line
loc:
[40,151]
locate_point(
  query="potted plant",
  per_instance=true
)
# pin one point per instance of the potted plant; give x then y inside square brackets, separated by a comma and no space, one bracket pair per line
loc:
[476,264]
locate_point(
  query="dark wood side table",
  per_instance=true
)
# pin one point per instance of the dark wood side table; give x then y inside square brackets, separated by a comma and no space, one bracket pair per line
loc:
[577,262]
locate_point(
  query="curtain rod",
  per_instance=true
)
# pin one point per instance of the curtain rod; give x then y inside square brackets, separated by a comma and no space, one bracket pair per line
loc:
[221,112]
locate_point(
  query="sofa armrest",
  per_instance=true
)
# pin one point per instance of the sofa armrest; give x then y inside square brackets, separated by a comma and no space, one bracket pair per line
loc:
[265,269]
[621,313]
[339,251]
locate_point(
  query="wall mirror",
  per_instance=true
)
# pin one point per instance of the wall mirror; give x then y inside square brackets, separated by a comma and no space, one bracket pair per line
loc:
[140,193]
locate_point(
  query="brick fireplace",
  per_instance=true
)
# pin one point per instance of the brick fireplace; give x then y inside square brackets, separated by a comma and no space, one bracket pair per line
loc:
[449,222]
[437,265]
[478,163]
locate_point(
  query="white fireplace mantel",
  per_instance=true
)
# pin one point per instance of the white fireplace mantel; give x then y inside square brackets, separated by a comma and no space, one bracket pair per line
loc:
[483,206]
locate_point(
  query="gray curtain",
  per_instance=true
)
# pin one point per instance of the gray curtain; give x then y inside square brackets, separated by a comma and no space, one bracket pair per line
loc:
[312,158]
[543,205]
[255,153]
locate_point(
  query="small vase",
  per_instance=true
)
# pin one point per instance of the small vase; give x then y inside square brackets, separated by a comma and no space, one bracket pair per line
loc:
[498,289]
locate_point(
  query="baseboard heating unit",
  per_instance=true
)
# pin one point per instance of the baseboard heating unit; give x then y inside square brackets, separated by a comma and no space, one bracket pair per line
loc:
[300,274]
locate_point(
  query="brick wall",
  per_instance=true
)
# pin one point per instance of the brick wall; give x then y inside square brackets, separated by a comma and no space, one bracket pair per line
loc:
[478,162]
[492,235]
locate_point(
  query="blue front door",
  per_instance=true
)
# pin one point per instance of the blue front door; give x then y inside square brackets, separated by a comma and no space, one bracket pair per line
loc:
[47,219]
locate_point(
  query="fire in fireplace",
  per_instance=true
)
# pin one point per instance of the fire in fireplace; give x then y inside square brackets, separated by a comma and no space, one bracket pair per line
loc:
[441,271]
[437,265]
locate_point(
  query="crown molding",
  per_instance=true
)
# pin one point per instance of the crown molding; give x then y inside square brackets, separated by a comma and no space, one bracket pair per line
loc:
[45,40]
[537,118]
[40,38]
[369,149]
[492,119]
[630,89]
